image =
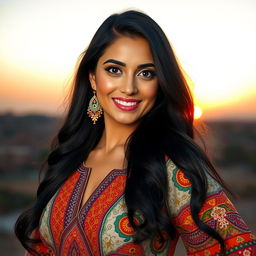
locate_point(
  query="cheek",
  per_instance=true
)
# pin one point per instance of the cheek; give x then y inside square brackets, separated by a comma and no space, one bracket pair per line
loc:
[150,91]
[104,84]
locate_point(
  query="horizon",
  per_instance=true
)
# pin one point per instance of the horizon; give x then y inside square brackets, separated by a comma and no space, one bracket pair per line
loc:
[200,120]
[214,43]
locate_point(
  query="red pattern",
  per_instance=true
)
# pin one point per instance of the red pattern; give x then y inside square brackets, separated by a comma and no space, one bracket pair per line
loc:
[125,226]
[130,249]
[78,240]
[73,244]
[187,226]
[184,219]
[230,243]
[182,180]
[158,244]
[41,248]
[59,208]
[98,209]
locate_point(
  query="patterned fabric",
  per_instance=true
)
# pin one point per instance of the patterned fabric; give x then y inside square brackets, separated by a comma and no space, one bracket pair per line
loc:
[101,226]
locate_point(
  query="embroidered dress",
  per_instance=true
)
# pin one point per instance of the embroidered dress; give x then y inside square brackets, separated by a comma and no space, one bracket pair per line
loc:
[101,226]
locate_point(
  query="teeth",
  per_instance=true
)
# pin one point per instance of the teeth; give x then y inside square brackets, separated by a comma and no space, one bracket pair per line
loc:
[125,103]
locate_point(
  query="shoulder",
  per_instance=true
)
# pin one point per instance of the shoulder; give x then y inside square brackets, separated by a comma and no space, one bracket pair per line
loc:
[180,187]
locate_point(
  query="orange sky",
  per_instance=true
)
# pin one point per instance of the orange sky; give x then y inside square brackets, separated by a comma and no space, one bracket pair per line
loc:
[214,41]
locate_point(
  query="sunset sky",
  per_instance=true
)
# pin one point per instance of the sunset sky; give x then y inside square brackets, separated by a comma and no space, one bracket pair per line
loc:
[214,40]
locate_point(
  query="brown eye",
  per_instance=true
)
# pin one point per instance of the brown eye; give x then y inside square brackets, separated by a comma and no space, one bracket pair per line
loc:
[148,74]
[113,70]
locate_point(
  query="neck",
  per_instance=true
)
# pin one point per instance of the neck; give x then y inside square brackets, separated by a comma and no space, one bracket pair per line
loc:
[115,135]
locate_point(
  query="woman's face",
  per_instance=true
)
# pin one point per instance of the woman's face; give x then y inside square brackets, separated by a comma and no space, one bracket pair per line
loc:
[125,80]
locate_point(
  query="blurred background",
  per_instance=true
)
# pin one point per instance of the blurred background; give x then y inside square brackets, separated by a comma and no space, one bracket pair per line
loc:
[40,42]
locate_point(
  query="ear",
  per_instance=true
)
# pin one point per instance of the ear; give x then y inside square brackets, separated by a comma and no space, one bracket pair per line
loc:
[92,80]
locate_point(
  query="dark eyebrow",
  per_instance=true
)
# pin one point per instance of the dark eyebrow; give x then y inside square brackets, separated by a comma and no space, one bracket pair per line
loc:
[123,64]
[146,65]
[115,62]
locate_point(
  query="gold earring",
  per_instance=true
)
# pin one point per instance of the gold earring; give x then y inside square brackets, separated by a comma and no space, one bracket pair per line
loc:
[94,110]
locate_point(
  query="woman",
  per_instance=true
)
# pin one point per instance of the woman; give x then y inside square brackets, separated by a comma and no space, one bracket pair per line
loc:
[125,176]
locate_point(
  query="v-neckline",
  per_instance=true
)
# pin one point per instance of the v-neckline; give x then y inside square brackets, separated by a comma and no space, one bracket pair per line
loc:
[81,207]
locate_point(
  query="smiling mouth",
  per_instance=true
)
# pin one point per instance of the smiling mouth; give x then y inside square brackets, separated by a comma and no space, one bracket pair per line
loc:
[126,104]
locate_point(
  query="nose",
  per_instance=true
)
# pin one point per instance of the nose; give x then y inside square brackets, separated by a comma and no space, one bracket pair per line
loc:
[129,86]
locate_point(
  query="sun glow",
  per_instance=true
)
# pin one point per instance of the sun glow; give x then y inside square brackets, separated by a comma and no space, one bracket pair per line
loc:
[213,42]
[197,112]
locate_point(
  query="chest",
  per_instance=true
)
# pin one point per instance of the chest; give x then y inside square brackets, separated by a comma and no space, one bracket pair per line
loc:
[99,227]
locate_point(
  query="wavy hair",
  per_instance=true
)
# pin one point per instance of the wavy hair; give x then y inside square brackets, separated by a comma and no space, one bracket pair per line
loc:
[167,130]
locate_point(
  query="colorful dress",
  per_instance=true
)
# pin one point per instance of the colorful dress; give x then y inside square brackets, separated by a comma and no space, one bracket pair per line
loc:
[101,226]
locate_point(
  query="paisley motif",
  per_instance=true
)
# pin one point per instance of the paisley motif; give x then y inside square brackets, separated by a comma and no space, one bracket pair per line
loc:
[101,226]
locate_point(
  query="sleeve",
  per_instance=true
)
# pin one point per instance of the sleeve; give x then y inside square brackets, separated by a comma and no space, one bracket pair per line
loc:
[40,248]
[217,212]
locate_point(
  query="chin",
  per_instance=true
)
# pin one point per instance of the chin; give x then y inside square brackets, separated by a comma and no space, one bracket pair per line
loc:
[127,120]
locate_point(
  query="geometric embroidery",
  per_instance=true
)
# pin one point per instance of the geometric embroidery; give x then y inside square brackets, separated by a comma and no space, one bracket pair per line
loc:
[70,212]
[129,249]
[219,214]
[123,227]
[74,249]
[102,226]
[180,181]
[236,220]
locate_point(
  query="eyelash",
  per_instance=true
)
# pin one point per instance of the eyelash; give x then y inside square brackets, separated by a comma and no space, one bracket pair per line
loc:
[113,73]
[151,72]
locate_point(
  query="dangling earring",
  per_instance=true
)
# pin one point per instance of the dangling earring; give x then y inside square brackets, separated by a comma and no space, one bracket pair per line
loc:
[94,110]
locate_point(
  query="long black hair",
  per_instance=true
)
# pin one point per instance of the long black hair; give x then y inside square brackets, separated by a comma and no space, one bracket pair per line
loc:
[167,130]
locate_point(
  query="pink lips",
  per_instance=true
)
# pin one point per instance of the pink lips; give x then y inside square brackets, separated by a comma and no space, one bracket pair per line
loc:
[126,104]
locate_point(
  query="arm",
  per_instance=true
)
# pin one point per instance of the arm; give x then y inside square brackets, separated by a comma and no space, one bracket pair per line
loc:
[217,212]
